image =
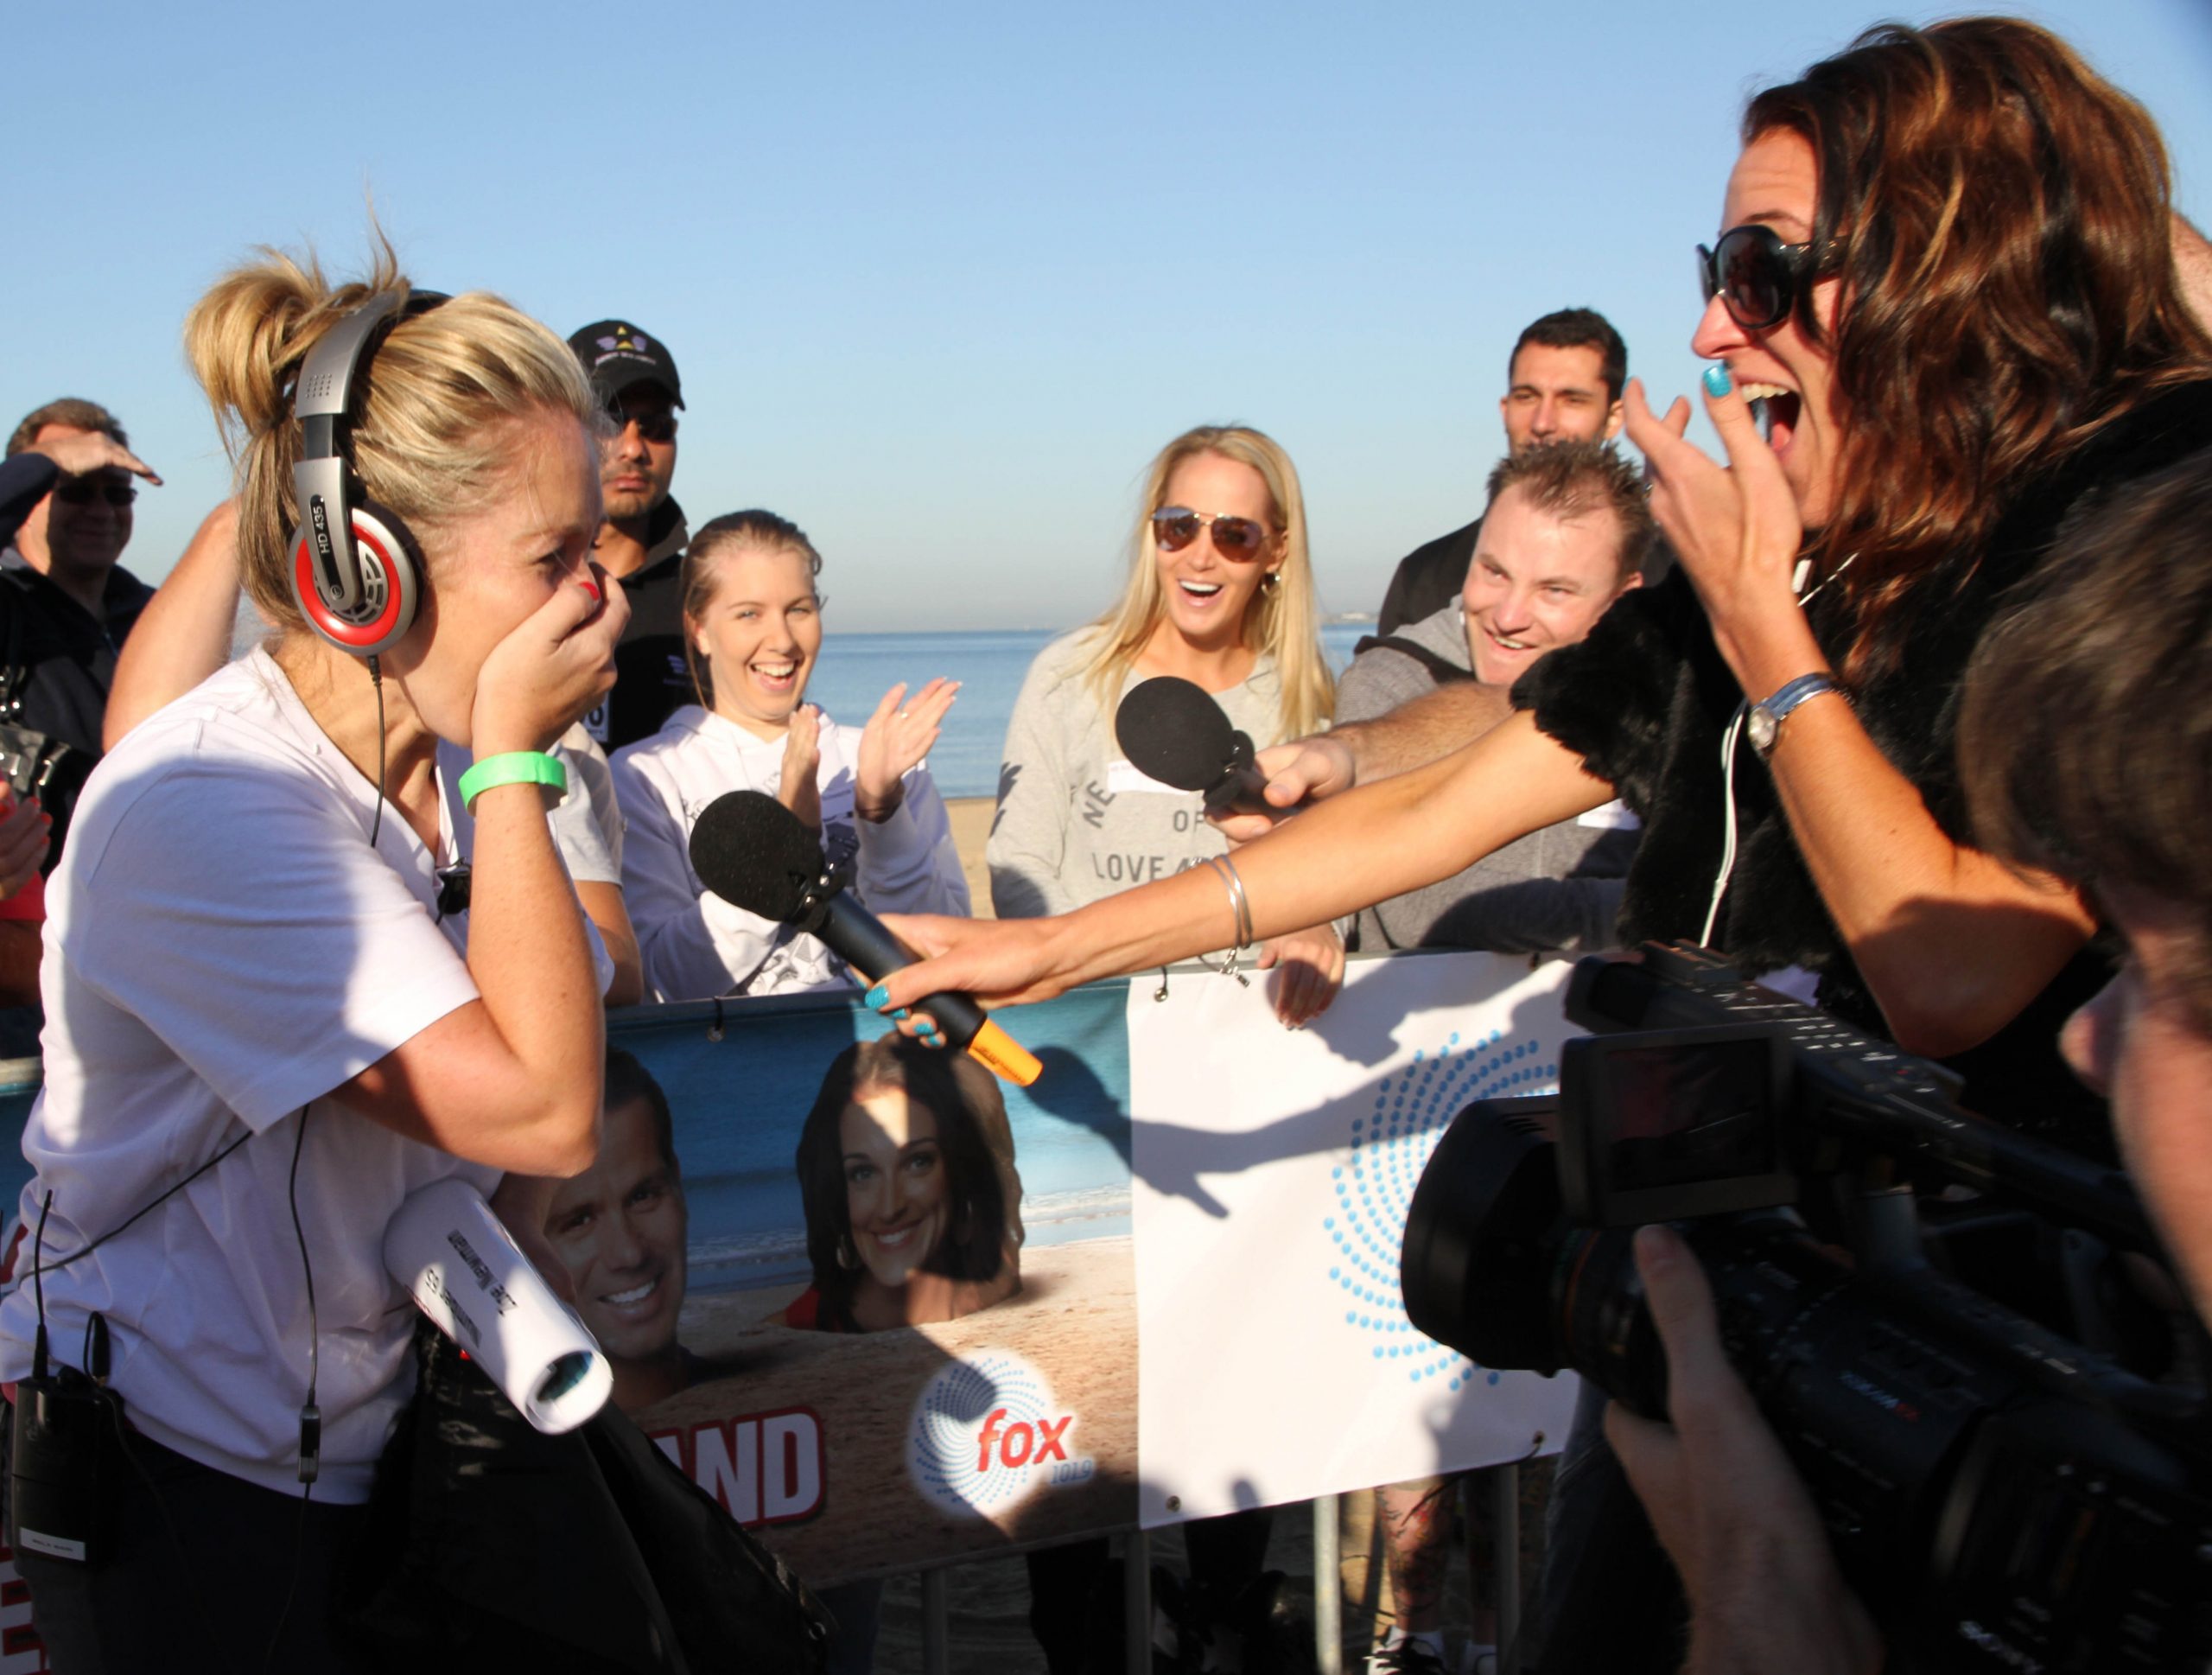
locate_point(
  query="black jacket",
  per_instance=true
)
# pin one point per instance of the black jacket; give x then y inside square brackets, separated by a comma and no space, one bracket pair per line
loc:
[1646,698]
[1427,579]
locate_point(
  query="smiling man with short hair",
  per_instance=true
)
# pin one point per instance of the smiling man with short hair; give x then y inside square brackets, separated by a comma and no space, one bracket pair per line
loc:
[1563,383]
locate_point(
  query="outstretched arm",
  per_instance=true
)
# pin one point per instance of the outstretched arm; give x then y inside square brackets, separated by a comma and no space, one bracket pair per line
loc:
[1422,731]
[1378,841]
[184,634]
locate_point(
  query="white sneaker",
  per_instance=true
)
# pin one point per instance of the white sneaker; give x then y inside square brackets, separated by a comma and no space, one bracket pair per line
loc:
[1408,1657]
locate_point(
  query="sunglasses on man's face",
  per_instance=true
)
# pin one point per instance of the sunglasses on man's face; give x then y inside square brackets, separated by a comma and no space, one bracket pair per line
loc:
[79,491]
[1174,527]
[1754,274]
[653,427]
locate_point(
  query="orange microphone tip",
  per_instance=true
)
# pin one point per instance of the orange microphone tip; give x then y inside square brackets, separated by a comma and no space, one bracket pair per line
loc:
[1005,1057]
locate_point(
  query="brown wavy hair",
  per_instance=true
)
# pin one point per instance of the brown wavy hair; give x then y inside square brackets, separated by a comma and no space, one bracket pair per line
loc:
[2000,218]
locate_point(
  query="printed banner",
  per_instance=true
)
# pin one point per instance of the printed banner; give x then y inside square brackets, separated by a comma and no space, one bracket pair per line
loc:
[892,1311]
[1273,1170]
[906,1315]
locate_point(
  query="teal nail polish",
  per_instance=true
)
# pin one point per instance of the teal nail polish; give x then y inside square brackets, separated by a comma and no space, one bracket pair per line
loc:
[1717,383]
[902,1014]
[926,1031]
[875,998]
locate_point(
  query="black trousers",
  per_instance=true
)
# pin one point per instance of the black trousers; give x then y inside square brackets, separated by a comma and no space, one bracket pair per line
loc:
[206,1573]
[1066,1609]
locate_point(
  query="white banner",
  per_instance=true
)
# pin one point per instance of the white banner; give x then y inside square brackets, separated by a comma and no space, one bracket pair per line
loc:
[1272,1170]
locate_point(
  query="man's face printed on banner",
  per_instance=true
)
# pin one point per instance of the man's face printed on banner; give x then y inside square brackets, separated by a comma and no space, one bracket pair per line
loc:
[619,1227]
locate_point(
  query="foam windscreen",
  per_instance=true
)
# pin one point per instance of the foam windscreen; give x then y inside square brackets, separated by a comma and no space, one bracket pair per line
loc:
[1171,729]
[755,854]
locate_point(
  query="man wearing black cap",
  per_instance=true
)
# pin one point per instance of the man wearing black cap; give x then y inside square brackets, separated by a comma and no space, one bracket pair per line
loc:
[642,540]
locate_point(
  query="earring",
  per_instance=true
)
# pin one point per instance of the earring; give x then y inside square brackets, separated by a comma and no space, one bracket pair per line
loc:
[1271,581]
[847,1258]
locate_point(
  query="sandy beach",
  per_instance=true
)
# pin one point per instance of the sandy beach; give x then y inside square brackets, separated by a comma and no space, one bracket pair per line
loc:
[971,830]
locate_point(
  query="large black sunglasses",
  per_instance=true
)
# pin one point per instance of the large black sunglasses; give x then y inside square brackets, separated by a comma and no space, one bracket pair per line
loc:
[1754,274]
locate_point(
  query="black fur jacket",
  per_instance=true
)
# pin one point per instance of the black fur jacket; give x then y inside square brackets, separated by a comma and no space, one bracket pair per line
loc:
[1646,699]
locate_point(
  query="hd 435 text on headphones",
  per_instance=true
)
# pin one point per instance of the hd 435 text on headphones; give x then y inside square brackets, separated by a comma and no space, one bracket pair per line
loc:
[357,572]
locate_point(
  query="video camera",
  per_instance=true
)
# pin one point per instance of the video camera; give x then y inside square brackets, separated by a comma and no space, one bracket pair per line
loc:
[2003,1492]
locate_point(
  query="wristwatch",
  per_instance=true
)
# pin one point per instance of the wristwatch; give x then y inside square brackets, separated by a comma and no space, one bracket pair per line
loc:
[1767,715]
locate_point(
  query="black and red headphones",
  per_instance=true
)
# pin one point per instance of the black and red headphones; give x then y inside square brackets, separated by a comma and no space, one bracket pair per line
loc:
[357,572]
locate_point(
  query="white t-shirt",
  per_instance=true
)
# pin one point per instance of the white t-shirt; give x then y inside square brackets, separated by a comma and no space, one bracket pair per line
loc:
[224,948]
[696,945]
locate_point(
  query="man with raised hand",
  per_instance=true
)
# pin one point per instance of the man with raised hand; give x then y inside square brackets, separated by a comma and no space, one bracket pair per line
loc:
[66,605]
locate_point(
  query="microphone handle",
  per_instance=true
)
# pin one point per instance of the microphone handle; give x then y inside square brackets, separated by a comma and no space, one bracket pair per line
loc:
[1240,791]
[864,943]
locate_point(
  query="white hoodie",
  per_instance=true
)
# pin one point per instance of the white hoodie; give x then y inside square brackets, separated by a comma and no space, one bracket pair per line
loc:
[696,945]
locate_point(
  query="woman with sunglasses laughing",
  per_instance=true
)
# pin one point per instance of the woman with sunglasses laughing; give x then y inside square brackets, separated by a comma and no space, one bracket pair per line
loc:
[1220,592]
[1959,302]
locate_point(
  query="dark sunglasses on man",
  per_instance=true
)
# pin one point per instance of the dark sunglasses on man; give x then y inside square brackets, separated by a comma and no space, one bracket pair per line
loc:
[1755,275]
[653,427]
[1174,527]
[78,491]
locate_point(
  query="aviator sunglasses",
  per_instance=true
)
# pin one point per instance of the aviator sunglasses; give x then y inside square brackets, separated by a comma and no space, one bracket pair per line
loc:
[1174,527]
[1754,274]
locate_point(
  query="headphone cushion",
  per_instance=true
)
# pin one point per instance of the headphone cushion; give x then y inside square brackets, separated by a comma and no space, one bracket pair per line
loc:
[392,578]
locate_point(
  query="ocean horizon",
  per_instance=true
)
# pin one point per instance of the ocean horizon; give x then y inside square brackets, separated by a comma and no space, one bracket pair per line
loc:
[855,670]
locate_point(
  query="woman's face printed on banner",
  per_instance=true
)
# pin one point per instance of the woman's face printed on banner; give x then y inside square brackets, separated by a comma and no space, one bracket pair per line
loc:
[759,635]
[896,1196]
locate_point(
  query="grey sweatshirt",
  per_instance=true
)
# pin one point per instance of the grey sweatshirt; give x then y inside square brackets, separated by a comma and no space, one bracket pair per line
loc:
[1075,821]
[1557,889]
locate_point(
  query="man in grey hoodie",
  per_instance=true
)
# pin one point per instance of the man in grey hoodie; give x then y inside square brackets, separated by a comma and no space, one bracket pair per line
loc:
[1565,536]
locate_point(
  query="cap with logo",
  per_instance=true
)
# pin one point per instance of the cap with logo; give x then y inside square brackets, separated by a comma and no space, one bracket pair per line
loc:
[617,354]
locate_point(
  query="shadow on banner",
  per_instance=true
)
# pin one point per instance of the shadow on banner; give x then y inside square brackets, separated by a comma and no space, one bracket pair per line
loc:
[906,1324]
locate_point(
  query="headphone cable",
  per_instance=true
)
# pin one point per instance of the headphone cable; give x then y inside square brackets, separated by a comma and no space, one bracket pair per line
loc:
[375,825]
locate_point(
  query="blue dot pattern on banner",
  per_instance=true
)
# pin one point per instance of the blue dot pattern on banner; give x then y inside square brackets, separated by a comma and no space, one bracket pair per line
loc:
[1374,1187]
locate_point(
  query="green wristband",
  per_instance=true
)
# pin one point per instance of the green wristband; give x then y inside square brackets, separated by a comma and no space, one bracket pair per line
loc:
[515,768]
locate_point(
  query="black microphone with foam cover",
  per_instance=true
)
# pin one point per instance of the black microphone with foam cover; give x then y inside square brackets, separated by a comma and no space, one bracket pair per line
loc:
[755,854]
[1171,731]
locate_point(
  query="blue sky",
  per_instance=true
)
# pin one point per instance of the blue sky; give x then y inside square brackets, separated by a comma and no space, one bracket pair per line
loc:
[941,279]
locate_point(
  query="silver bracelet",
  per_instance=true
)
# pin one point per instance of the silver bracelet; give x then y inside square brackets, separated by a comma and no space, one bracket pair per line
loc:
[1227,869]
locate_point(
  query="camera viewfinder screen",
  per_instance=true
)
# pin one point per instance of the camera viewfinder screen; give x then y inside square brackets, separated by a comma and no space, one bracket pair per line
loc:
[1679,1115]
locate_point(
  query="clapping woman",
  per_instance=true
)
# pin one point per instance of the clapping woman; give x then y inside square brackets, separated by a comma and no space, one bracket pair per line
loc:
[752,629]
